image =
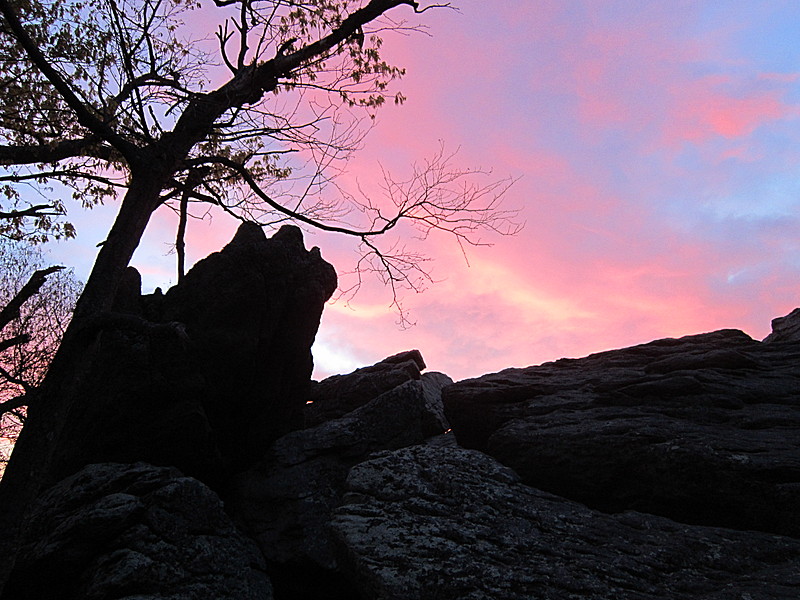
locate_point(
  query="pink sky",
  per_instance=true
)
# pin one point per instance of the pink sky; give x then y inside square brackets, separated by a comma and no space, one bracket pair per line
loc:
[657,147]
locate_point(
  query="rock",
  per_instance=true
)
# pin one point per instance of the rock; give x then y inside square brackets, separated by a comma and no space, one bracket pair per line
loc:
[205,377]
[285,503]
[785,329]
[254,309]
[703,429]
[338,395]
[134,531]
[447,523]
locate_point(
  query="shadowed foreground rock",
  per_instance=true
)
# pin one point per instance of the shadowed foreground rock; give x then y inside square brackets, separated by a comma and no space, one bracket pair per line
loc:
[286,502]
[453,524]
[135,531]
[703,429]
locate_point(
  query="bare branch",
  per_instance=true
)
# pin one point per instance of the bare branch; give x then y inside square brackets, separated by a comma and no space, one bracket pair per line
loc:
[223,36]
[13,404]
[36,281]
[17,340]
[243,172]
[15,380]
[243,31]
[419,10]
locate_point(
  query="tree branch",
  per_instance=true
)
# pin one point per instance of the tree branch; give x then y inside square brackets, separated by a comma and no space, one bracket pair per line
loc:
[23,338]
[83,113]
[31,211]
[193,179]
[251,82]
[36,281]
[16,381]
[242,172]
[89,147]
[13,404]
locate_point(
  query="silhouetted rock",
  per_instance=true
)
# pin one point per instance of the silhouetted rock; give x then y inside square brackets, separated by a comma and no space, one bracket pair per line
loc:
[338,395]
[449,523]
[253,310]
[703,429]
[286,502]
[785,329]
[135,531]
[205,377]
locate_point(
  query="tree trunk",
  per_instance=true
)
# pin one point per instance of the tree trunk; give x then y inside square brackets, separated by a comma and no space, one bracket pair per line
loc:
[30,461]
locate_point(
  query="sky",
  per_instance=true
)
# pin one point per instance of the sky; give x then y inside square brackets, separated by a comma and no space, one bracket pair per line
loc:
[655,152]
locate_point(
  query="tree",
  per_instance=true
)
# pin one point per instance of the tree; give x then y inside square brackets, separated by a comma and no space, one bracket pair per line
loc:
[107,98]
[37,304]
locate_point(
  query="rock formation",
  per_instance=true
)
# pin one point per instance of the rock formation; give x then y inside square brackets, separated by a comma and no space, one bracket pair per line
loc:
[124,531]
[704,429]
[286,501]
[340,394]
[453,524]
[206,464]
[206,376]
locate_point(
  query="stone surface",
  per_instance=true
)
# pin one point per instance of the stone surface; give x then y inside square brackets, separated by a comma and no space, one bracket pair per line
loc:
[446,523]
[703,429]
[135,531]
[785,329]
[205,377]
[338,395]
[286,502]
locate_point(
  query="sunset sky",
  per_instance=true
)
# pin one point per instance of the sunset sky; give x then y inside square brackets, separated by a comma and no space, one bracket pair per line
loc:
[656,147]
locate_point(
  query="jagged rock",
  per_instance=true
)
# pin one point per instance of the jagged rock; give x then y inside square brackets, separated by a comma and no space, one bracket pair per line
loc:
[254,309]
[338,395]
[447,523]
[703,429]
[134,531]
[785,329]
[205,377]
[285,503]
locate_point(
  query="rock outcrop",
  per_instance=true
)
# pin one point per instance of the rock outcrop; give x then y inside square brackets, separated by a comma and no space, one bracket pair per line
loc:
[205,377]
[704,429]
[454,524]
[286,502]
[340,394]
[785,329]
[135,531]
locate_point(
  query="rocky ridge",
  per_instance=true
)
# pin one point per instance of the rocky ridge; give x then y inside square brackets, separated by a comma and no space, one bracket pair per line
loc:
[212,467]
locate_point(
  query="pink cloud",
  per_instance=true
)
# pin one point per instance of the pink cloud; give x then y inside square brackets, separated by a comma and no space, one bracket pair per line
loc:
[702,110]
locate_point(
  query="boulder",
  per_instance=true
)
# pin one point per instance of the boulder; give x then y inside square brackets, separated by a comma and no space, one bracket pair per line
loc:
[206,376]
[338,395]
[785,329]
[447,523]
[703,429]
[285,503]
[134,531]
